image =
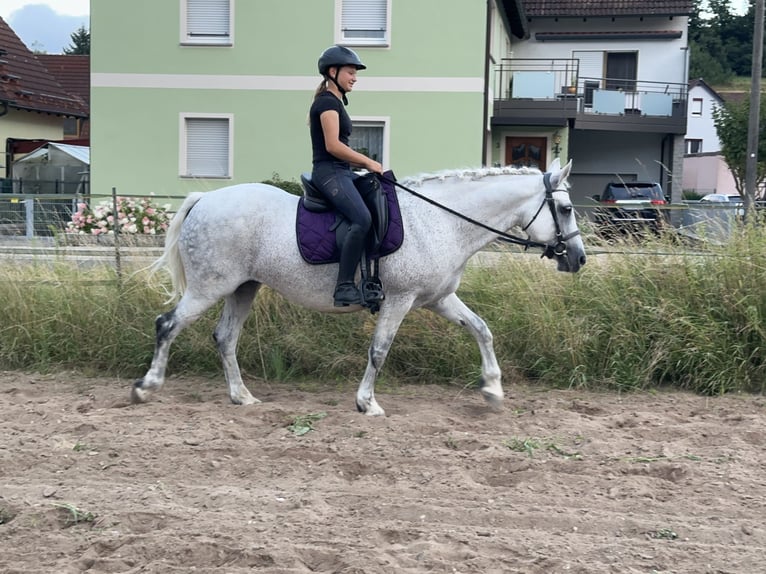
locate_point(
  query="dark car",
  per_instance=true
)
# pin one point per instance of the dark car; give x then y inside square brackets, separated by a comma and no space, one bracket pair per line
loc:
[630,207]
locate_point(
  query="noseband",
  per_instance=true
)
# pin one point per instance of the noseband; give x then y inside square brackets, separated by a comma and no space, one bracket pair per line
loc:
[559,248]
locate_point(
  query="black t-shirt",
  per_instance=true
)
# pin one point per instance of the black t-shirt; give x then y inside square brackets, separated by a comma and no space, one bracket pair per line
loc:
[323,102]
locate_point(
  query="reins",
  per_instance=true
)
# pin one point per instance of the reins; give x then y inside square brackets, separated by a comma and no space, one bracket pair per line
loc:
[548,250]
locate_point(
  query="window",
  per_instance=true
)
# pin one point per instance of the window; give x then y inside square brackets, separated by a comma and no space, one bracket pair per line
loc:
[363,22]
[206,142]
[696,107]
[693,146]
[207,22]
[369,136]
[71,127]
[621,70]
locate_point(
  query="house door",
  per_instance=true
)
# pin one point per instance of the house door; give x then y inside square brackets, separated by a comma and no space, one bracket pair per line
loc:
[525,152]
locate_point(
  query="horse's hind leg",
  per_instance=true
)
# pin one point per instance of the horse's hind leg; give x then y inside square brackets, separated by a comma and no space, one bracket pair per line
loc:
[235,311]
[168,326]
[453,309]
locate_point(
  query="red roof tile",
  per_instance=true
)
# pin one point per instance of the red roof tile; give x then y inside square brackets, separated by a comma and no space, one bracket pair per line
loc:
[582,8]
[25,84]
[72,72]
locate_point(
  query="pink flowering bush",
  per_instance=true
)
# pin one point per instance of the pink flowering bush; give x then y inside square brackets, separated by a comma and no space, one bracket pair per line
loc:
[134,216]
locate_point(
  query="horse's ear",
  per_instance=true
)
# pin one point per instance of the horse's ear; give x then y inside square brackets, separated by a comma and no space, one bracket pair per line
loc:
[559,176]
[555,165]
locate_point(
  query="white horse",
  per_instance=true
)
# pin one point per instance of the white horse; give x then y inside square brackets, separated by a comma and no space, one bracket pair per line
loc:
[228,242]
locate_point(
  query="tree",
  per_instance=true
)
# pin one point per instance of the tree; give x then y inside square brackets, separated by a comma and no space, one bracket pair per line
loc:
[731,122]
[720,42]
[80,42]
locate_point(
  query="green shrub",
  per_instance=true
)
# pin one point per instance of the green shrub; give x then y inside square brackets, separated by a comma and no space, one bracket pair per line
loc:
[291,186]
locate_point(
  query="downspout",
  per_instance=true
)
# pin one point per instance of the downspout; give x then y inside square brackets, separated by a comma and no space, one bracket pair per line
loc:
[8,156]
[485,116]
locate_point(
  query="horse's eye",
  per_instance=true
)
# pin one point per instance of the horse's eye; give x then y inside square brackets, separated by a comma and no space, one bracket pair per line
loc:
[566,209]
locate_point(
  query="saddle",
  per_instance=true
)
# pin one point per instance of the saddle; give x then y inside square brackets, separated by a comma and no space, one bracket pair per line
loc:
[320,229]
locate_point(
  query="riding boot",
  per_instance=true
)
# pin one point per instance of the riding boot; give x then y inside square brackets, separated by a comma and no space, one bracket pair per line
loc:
[346,291]
[346,294]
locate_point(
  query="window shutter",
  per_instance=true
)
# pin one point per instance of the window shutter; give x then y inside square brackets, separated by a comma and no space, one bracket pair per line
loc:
[207,147]
[364,18]
[208,18]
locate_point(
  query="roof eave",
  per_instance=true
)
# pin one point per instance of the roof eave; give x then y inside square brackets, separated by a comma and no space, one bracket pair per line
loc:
[41,110]
[514,18]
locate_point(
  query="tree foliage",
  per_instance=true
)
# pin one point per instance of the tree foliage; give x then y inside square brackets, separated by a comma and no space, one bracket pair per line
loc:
[80,45]
[720,41]
[731,122]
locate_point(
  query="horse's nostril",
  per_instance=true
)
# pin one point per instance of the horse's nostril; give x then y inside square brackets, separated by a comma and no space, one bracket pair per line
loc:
[582,260]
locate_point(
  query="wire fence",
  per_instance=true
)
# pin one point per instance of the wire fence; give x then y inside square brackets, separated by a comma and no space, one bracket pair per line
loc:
[36,215]
[33,215]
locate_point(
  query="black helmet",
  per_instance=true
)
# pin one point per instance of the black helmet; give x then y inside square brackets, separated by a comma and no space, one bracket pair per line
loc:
[338,56]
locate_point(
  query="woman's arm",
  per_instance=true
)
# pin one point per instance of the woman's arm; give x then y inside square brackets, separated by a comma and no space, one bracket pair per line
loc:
[330,121]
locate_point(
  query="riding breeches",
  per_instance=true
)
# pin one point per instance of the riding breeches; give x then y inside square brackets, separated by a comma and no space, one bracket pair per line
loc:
[336,182]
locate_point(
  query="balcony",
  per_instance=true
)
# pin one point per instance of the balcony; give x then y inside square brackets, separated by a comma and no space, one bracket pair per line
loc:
[553,92]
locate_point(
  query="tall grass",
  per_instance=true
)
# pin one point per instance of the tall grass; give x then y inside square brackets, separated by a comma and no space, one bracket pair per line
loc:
[641,316]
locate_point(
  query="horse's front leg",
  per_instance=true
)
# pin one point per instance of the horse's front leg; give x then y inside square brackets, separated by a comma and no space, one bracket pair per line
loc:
[453,309]
[391,316]
[235,310]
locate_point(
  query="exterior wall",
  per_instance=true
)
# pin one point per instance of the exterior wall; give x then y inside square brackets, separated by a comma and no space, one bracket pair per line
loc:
[658,60]
[432,99]
[705,174]
[30,125]
[702,127]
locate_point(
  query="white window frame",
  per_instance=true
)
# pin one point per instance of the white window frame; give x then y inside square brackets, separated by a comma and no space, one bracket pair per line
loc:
[183,164]
[340,37]
[377,121]
[696,107]
[200,40]
[690,142]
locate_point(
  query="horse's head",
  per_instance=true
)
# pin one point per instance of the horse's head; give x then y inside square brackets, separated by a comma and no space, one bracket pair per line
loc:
[554,223]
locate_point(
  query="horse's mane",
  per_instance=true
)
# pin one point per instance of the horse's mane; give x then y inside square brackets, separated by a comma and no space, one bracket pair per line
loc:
[472,174]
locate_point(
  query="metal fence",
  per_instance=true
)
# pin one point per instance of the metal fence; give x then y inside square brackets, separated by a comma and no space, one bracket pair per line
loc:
[45,215]
[35,215]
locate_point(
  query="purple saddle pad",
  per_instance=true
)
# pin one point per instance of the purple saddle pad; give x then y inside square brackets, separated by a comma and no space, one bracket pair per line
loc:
[316,231]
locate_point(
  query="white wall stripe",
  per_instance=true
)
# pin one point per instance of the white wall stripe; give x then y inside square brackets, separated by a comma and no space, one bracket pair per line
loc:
[282,83]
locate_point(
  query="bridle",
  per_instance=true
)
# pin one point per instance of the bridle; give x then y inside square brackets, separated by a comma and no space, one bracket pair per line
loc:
[559,248]
[556,249]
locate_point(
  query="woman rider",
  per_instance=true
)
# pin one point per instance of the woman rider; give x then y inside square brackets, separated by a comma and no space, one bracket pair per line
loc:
[333,158]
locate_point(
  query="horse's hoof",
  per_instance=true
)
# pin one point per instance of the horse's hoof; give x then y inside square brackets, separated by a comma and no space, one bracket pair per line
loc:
[137,394]
[494,401]
[244,401]
[371,409]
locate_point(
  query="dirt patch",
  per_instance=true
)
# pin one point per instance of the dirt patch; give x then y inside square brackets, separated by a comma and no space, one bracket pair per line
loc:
[561,481]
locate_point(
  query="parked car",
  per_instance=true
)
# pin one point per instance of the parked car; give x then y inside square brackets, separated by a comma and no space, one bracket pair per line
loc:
[726,201]
[630,208]
[721,198]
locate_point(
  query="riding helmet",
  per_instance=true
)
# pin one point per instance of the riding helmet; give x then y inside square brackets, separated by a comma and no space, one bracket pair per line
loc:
[338,56]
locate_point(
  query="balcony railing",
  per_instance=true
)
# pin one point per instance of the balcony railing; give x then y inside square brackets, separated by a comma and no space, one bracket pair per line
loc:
[558,81]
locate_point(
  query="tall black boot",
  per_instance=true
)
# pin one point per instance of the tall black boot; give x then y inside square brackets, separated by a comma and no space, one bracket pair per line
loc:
[346,291]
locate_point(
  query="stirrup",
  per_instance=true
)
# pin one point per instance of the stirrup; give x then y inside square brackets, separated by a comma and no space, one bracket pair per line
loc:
[372,293]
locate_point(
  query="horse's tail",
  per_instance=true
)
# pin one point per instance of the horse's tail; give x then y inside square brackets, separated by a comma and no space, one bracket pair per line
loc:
[171,258]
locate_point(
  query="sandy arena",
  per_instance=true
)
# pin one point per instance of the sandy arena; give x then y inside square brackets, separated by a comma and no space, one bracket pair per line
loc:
[558,482]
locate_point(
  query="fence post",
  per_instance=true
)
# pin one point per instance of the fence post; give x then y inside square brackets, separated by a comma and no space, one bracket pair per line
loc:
[29,212]
[115,214]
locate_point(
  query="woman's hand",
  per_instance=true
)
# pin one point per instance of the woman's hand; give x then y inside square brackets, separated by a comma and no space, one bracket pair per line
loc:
[373,166]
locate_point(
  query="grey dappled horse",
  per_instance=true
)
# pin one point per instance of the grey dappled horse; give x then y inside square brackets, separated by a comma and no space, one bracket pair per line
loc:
[228,242]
